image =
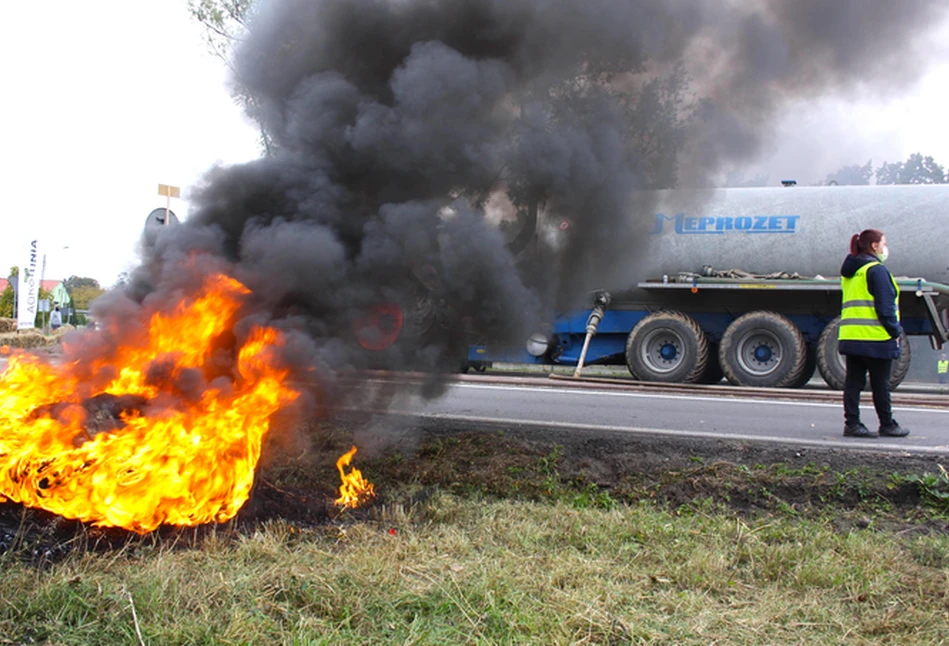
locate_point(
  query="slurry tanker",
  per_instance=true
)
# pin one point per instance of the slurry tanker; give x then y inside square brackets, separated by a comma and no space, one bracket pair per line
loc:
[744,283]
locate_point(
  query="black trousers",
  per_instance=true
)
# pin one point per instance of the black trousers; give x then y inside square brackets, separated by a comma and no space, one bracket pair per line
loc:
[857,369]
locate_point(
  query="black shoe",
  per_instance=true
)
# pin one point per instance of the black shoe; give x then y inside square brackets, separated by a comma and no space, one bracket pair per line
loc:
[894,430]
[858,430]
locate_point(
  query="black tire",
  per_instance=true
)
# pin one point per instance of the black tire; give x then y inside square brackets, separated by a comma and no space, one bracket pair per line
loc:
[810,365]
[668,347]
[762,349]
[901,365]
[833,366]
[829,361]
[713,369]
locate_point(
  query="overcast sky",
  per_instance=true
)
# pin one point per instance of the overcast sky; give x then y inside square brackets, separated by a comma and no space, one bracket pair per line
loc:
[104,100]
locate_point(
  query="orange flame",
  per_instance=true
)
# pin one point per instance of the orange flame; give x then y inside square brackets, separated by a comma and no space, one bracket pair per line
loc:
[166,456]
[354,490]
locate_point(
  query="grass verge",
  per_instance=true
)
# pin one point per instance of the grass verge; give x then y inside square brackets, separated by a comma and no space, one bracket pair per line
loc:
[494,538]
[456,570]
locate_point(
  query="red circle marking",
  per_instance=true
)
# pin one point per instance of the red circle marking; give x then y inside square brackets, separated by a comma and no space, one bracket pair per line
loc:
[379,327]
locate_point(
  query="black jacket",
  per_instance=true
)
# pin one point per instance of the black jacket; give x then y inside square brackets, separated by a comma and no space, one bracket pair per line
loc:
[880,284]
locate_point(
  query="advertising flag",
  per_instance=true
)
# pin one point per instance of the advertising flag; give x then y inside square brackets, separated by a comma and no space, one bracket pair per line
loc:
[28,292]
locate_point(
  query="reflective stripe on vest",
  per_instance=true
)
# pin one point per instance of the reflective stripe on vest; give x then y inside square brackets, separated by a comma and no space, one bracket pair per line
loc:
[858,316]
[943,367]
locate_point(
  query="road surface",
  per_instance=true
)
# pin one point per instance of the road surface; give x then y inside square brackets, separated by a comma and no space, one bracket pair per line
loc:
[648,413]
[592,410]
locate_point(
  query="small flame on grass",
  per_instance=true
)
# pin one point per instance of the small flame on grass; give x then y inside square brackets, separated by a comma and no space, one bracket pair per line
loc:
[354,490]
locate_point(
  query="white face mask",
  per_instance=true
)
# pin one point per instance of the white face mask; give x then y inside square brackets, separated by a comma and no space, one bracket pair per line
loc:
[884,254]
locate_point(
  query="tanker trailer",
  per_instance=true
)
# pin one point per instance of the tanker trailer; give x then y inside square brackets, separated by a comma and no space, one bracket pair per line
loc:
[745,283]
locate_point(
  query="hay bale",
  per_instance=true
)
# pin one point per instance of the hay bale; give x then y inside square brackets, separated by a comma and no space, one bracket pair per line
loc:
[63,330]
[27,340]
[7,325]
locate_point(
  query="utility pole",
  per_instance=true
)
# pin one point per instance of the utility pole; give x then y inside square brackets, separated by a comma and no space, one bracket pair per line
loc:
[169,192]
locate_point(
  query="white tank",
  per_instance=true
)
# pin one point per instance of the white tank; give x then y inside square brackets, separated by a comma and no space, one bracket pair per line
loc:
[797,229]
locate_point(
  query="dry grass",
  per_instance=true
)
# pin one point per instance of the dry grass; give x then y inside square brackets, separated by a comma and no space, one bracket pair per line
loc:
[7,325]
[467,571]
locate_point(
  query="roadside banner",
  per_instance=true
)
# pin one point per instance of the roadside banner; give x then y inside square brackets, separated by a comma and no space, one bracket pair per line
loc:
[28,292]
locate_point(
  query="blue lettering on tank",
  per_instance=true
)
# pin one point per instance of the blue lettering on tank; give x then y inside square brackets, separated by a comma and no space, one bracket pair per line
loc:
[683,224]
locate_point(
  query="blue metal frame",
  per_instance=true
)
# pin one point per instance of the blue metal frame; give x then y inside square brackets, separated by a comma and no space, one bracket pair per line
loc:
[608,347]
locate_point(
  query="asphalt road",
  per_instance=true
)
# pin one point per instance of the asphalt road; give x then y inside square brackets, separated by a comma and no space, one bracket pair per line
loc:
[800,423]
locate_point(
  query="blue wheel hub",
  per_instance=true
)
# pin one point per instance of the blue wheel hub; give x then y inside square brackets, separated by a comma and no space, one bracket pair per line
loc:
[668,352]
[763,354]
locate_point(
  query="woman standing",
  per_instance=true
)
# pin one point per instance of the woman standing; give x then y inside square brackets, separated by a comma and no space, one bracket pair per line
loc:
[870,330]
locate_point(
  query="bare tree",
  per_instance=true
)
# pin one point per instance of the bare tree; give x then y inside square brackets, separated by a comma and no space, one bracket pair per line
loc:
[225,25]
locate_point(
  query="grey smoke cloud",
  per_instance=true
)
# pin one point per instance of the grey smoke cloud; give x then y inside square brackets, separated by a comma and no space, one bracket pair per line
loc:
[396,120]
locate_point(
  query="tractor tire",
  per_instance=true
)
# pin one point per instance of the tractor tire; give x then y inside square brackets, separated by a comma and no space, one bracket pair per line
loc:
[713,369]
[833,366]
[667,347]
[762,349]
[810,366]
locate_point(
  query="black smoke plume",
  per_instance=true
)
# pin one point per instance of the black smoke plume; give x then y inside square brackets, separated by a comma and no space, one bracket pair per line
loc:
[483,163]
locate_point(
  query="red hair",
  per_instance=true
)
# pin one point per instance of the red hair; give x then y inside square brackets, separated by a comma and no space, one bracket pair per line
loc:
[860,242]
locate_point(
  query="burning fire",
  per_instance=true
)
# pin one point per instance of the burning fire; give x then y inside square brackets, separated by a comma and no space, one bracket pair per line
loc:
[185,407]
[354,490]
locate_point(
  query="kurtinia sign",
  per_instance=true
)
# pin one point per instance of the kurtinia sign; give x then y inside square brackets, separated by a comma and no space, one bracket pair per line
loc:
[28,291]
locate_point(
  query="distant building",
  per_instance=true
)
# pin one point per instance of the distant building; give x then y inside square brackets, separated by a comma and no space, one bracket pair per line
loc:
[58,294]
[56,288]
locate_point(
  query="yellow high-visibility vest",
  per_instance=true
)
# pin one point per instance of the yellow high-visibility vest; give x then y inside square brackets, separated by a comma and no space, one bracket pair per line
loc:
[858,316]
[943,366]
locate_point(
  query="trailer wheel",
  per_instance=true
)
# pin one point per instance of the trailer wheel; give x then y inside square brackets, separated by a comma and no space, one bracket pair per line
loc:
[668,347]
[901,365]
[762,349]
[713,369]
[810,366]
[833,366]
